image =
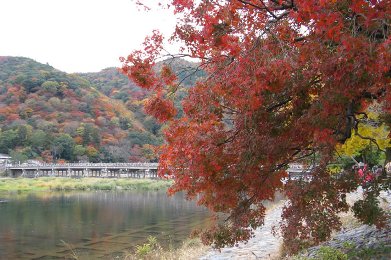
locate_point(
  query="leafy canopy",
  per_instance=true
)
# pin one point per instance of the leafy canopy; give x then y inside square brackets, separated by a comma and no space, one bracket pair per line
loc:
[39,105]
[287,82]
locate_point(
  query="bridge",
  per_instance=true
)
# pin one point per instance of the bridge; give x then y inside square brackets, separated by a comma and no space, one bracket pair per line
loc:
[78,170]
[107,170]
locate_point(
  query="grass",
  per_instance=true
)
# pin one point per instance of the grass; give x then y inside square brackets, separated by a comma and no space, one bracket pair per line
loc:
[19,185]
[152,250]
[72,254]
[349,252]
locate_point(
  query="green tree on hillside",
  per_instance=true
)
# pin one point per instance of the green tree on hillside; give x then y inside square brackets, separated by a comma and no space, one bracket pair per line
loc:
[8,140]
[39,140]
[62,147]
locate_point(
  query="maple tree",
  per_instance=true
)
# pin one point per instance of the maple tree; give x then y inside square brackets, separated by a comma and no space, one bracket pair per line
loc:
[288,81]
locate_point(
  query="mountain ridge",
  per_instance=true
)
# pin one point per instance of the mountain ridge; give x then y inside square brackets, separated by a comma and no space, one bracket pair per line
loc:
[49,115]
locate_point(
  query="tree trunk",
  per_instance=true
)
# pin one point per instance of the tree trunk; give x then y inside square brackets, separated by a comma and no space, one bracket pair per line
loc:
[388,155]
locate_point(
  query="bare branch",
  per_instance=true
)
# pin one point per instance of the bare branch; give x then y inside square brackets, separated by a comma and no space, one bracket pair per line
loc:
[229,139]
[284,102]
[251,4]
[299,39]
[233,111]
[372,140]
[268,10]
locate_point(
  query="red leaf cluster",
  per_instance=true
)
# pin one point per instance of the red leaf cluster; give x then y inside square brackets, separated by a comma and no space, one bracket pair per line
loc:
[162,109]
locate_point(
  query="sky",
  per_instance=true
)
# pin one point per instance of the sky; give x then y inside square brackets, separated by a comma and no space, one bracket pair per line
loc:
[77,35]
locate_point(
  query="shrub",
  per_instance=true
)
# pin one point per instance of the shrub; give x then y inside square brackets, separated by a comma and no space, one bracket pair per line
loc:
[329,253]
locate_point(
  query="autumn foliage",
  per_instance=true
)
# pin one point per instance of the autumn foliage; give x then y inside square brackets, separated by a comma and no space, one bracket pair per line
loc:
[46,114]
[288,81]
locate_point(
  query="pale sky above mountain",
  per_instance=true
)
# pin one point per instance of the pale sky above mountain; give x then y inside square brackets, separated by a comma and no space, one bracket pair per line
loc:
[77,35]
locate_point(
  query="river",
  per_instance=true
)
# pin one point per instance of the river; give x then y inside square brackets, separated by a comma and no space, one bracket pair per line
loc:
[94,225]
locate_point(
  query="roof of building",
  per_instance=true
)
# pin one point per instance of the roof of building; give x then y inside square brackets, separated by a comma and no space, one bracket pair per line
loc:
[4,156]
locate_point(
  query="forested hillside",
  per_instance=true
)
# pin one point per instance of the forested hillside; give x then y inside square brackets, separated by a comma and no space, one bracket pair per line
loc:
[50,115]
[115,85]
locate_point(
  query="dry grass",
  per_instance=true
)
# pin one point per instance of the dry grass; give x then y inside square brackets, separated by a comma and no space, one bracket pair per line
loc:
[348,220]
[65,184]
[190,249]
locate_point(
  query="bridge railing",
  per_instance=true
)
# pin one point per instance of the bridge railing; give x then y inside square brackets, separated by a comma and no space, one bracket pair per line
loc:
[81,165]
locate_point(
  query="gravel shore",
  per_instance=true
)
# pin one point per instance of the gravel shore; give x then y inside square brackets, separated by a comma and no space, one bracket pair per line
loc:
[262,246]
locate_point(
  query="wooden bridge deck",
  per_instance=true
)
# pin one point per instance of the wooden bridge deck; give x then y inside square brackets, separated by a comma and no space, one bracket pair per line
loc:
[124,170]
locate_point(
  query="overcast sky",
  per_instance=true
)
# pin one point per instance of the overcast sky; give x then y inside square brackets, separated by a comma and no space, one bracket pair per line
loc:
[76,35]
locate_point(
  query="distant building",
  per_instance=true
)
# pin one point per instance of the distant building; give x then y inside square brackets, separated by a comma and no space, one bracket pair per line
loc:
[4,158]
[297,170]
[34,162]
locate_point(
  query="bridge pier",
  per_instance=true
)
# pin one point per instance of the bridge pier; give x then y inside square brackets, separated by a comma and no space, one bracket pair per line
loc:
[85,172]
[153,174]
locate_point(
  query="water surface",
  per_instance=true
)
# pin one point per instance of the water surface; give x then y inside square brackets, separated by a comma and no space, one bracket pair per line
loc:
[95,225]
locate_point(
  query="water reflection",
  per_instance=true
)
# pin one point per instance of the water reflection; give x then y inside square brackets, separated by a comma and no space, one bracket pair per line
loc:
[97,224]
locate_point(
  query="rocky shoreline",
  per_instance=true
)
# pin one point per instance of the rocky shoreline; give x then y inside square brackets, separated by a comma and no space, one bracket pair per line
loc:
[355,242]
[364,242]
[361,242]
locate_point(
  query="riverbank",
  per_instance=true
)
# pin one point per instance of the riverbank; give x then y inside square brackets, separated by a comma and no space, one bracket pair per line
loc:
[263,246]
[19,185]
[191,249]
[354,241]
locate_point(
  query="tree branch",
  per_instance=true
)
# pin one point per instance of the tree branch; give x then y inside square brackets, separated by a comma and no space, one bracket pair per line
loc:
[229,139]
[251,4]
[268,10]
[373,140]
[284,102]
